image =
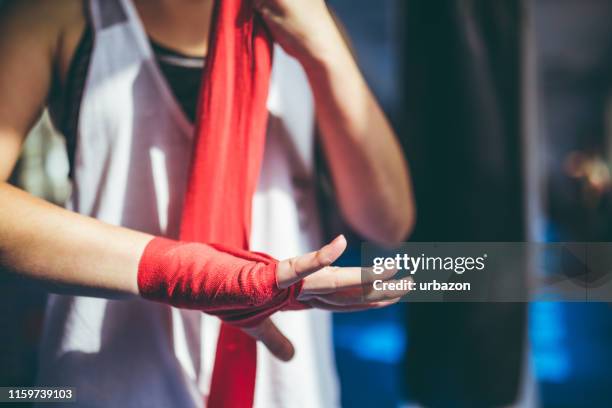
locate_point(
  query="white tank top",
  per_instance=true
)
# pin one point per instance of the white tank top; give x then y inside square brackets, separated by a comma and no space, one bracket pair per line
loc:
[130,169]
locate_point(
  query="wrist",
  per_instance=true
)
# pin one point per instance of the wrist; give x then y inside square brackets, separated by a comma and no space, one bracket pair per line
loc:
[320,44]
[321,54]
[152,279]
[234,284]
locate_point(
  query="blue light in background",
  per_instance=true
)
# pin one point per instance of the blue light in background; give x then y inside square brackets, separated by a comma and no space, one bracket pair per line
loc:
[548,337]
[369,348]
[382,342]
[550,349]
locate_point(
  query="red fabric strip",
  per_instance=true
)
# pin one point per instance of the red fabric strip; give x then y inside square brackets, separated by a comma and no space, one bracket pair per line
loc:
[237,285]
[227,155]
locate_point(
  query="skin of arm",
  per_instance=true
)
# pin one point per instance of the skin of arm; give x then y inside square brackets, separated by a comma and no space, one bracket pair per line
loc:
[67,252]
[369,172]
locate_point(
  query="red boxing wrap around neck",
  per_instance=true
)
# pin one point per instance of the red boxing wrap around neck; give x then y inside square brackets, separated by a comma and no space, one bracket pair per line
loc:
[229,142]
[211,269]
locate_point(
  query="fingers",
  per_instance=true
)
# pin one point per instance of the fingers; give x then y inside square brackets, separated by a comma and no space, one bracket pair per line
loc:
[266,8]
[273,339]
[332,279]
[295,269]
[320,304]
[261,5]
[359,295]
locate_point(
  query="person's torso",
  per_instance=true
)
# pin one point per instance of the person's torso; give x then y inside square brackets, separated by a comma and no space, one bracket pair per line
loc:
[131,156]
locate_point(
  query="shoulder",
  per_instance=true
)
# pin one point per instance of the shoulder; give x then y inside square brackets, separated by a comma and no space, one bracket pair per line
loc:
[39,16]
[40,24]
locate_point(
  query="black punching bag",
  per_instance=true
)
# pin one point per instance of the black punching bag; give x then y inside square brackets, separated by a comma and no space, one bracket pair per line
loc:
[462,134]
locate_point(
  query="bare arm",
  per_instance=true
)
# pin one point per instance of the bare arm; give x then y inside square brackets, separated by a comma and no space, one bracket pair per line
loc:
[366,160]
[368,168]
[67,252]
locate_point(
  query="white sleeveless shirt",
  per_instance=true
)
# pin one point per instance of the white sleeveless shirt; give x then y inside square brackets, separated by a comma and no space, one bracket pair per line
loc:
[130,169]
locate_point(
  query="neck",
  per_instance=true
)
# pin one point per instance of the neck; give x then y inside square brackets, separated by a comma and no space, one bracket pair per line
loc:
[183,25]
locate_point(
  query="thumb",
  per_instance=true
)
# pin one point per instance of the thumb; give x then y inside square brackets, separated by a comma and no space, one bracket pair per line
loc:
[295,269]
[273,339]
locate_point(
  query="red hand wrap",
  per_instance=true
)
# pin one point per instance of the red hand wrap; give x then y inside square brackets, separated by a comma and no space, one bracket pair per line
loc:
[237,285]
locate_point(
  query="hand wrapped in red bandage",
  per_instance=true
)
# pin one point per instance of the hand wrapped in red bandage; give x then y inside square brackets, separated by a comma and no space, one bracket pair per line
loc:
[244,288]
[237,285]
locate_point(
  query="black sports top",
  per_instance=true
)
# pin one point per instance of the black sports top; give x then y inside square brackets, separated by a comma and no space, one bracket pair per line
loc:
[183,74]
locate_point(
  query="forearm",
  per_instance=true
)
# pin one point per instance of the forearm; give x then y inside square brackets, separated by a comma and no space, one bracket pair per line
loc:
[65,251]
[366,161]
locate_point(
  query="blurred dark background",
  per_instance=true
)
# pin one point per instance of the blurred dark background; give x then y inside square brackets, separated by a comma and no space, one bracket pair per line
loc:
[505,113]
[505,110]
